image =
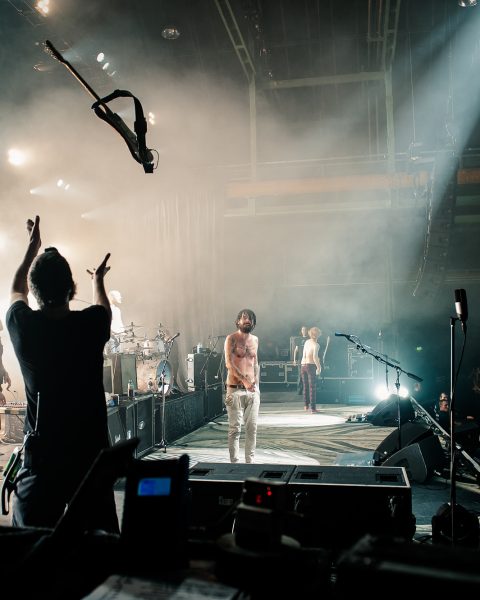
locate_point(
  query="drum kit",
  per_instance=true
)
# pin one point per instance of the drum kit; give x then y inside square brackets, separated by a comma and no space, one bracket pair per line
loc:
[154,371]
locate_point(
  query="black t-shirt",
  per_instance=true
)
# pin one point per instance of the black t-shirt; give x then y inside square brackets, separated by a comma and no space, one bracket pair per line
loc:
[62,361]
[299,342]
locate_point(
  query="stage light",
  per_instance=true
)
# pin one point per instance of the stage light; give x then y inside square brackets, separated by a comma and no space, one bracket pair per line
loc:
[100,57]
[105,66]
[61,184]
[382,392]
[467,3]
[170,33]
[43,7]
[151,118]
[16,157]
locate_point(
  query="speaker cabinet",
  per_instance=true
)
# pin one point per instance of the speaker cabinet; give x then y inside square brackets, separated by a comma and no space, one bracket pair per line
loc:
[116,431]
[144,423]
[419,459]
[118,369]
[126,409]
[341,504]
[216,489]
[201,365]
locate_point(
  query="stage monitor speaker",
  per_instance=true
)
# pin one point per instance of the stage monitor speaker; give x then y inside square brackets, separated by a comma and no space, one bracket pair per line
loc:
[409,434]
[339,504]
[385,414]
[420,459]
[216,489]
[118,370]
[116,432]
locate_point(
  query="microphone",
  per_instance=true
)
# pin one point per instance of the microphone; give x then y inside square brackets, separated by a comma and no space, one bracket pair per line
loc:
[172,338]
[461,307]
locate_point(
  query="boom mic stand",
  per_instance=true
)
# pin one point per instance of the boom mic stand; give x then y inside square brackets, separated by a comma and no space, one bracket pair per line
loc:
[161,380]
[388,362]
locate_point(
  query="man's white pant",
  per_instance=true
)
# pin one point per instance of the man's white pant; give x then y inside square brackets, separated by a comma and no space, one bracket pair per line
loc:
[242,406]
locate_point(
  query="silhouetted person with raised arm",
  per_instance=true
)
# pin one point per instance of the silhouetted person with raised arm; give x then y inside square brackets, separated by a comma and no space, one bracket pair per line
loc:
[64,388]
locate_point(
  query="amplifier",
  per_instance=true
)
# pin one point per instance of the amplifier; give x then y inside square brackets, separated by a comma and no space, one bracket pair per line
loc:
[272,372]
[203,364]
[116,431]
[118,369]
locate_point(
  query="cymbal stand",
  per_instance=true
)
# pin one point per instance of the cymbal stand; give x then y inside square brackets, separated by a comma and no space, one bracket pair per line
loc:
[161,380]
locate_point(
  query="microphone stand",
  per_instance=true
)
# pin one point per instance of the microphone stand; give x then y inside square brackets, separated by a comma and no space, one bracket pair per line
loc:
[161,379]
[468,530]
[388,362]
[453,491]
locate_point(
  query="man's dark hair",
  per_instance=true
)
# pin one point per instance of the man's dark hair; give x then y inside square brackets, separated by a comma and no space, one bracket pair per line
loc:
[251,316]
[51,280]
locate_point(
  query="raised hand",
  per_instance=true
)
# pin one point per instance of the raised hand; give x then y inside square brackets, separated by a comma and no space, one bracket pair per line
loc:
[101,270]
[33,228]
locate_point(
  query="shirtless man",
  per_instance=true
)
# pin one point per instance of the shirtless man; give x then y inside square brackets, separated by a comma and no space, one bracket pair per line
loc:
[310,369]
[242,397]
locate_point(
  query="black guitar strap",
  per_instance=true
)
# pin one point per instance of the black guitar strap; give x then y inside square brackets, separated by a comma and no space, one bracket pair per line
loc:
[136,142]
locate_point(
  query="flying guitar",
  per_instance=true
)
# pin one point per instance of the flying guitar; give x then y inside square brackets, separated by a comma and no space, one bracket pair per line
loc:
[136,142]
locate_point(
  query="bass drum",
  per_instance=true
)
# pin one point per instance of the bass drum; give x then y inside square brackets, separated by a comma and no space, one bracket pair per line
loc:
[154,376]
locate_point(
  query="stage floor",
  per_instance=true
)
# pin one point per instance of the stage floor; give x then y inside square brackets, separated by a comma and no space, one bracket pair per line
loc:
[289,435]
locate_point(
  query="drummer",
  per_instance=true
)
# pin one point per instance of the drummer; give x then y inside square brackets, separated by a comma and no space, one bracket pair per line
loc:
[117,327]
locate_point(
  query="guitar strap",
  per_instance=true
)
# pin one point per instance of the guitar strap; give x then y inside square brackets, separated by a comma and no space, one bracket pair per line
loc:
[136,142]
[138,150]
